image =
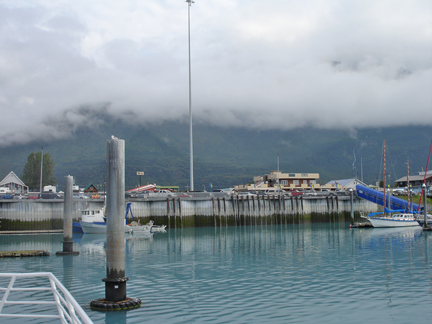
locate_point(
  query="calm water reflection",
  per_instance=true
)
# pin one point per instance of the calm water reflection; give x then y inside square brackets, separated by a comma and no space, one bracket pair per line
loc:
[299,273]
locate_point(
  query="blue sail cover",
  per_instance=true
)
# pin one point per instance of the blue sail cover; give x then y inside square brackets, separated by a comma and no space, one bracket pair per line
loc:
[377,197]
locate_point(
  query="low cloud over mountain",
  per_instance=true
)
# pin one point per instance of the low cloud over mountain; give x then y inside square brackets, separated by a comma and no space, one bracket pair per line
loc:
[256,64]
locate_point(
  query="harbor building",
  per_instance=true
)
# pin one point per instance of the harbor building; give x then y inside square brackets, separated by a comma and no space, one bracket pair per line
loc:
[297,181]
[14,183]
[286,181]
[345,184]
[415,181]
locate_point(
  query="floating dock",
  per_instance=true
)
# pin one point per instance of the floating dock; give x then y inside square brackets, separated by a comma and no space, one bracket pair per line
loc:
[4,254]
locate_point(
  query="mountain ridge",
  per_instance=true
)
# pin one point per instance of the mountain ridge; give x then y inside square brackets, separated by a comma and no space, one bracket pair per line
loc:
[226,156]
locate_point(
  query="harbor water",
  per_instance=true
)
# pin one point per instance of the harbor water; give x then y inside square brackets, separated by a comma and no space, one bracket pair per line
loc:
[296,273]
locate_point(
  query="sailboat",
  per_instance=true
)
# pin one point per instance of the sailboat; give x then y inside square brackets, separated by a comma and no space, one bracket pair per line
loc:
[391,218]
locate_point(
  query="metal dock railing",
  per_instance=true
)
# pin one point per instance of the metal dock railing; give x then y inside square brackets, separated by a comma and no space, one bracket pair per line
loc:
[50,299]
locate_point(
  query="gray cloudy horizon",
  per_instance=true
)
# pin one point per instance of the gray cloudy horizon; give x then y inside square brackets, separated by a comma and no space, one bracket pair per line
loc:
[258,64]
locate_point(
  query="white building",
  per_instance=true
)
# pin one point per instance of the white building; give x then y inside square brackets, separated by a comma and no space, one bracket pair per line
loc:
[345,184]
[14,183]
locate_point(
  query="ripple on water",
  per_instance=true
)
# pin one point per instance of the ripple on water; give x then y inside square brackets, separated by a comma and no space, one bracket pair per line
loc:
[277,274]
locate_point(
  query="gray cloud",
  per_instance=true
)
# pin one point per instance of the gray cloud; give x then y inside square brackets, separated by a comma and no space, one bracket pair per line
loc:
[284,64]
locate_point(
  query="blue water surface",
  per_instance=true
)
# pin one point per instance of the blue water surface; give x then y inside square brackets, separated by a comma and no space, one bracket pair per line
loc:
[289,273]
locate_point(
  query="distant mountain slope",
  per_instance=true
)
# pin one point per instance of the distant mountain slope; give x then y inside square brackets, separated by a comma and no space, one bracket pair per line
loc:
[227,156]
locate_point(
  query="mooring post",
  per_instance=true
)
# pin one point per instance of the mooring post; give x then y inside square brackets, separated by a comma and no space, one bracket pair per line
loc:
[424,206]
[67,219]
[115,281]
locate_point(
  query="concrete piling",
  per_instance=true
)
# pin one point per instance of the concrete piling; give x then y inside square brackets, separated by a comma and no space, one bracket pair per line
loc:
[115,281]
[67,219]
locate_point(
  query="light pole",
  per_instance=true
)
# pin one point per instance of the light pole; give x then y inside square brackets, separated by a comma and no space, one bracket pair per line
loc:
[190,102]
[41,174]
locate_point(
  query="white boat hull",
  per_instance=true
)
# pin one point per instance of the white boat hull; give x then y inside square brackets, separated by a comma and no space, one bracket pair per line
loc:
[140,229]
[388,222]
[158,228]
[97,228]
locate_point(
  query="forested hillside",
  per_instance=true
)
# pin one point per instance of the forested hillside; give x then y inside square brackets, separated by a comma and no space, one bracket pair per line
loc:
[227,156]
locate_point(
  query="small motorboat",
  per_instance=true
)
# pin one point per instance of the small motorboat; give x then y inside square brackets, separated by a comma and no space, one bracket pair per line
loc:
[156,228]
[420,220]
[136,227]
[94,222]
[89,216]
[99,228]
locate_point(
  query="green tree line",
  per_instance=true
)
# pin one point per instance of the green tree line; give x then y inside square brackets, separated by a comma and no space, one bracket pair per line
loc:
[32,169]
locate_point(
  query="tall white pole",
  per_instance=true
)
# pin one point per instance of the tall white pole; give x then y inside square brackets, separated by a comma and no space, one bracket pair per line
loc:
[41,174]
[190,102]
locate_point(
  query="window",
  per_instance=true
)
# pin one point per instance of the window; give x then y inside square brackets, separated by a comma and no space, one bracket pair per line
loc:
[284,182]
[296,182]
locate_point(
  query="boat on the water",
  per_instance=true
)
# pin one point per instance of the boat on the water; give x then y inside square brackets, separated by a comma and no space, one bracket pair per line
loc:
[420,220]
[392,220]
[99,228]
[156,228]
[136,227]
[93,221]
[397,212]
[89,216]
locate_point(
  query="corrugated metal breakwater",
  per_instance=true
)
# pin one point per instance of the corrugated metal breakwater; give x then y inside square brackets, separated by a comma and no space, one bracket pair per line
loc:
[41,214]
[215,210]
[255,210]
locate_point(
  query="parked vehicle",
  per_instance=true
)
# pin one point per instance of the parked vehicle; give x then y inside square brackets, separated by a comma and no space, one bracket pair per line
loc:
[4,191]
[80,196]
[7,197]
[32,197]
[182,195]
[246,194]
[295,193]
[50,195]
[310,193]
[274,192]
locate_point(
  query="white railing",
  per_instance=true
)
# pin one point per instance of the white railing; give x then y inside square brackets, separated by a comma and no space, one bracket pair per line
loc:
[69,311]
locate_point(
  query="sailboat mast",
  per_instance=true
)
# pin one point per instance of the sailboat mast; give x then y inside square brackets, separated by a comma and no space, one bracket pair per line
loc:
[408,188]
[384,162]
[424,180]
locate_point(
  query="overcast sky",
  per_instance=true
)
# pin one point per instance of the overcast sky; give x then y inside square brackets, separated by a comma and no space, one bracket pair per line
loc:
[255,63]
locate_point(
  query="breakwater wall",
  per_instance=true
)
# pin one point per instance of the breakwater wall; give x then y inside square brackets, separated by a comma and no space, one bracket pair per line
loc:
[47,214]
